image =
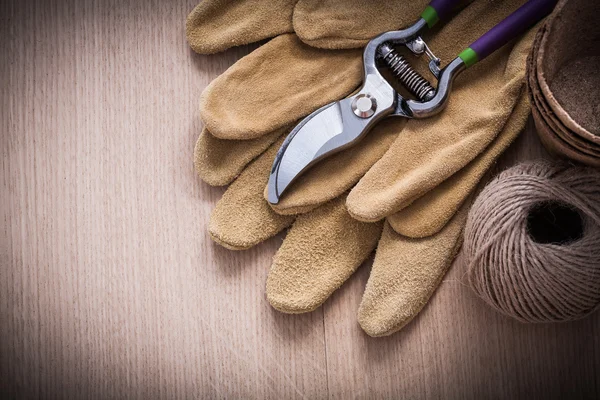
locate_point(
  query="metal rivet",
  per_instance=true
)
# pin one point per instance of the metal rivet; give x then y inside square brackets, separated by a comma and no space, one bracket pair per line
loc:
[364,106]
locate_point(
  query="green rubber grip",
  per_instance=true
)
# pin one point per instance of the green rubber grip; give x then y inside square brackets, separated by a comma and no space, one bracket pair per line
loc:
[469,57]
[430,16]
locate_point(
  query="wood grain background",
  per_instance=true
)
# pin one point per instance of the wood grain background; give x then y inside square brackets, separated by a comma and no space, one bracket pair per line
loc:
[111,288]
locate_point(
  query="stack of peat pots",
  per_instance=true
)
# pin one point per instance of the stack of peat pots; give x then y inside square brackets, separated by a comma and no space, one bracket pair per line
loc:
[563,74]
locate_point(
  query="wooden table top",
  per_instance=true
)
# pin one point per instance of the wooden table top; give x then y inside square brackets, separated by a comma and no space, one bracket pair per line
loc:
[111,288]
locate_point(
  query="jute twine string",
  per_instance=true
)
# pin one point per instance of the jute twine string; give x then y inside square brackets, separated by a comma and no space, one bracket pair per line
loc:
[512,270]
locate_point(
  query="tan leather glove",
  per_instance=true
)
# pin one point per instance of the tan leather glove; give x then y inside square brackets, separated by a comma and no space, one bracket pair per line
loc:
[216,25]
[433,167]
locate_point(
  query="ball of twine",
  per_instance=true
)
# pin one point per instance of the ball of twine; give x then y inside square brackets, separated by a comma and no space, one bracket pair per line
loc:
[532,242]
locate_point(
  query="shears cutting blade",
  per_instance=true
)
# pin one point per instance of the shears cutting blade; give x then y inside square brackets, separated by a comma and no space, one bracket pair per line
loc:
[343,123]
[326,131]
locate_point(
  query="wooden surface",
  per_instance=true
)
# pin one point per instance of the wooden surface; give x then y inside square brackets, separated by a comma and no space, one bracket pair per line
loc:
[111,288]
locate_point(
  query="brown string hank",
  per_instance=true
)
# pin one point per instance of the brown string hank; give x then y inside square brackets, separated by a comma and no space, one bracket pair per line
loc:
[532,242]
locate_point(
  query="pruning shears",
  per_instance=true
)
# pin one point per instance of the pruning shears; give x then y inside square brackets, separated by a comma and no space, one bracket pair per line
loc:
[343,123]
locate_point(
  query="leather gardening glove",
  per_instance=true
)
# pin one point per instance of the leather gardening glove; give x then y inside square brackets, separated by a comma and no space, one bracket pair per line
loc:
[216,25]
[434,166]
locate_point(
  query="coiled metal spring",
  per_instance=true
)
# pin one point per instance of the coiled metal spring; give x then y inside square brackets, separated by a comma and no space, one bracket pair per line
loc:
[411,79]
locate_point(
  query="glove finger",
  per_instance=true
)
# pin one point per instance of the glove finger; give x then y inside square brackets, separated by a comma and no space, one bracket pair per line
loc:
[335,175]
[276,85]
[431,212]
[216,25]
[218,161]
[335,24]
[428,152]
[321,251]
[405,274]
[242,218]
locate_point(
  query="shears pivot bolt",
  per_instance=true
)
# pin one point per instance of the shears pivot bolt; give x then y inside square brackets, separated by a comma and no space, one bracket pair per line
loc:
[364,106]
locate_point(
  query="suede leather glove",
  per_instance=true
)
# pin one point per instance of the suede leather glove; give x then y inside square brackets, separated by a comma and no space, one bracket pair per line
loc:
[419,175]
[216,25]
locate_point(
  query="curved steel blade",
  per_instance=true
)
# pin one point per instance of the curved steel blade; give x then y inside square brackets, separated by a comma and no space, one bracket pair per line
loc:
[329,130]
[326,131]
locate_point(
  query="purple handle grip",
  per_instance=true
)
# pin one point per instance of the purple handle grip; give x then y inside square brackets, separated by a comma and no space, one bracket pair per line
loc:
[512,26]
[443,7]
